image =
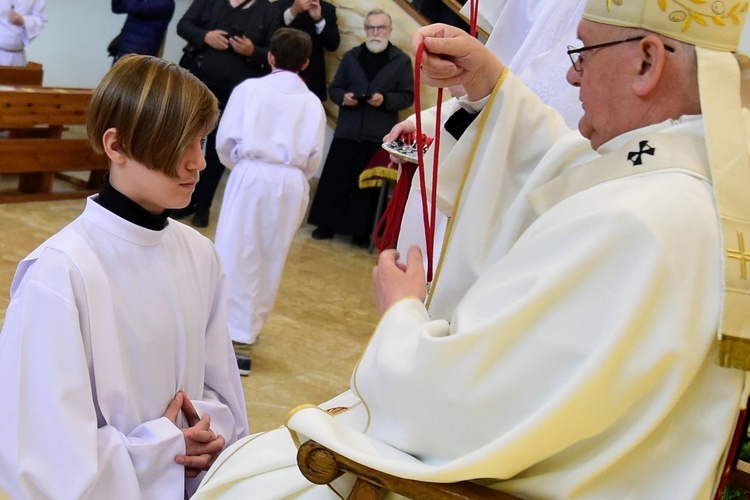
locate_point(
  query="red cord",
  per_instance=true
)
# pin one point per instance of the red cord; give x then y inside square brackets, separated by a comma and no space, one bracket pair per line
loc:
[387,229]
[473,15]
[386,232]
[429,219]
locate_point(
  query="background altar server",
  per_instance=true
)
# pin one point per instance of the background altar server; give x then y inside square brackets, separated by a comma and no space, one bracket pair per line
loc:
[229,40]
[271,136]
[116,369]
[20,22]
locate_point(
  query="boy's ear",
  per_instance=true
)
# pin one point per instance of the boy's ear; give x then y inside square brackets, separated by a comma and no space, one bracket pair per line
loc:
[111,144]
[271,60]
[305,65]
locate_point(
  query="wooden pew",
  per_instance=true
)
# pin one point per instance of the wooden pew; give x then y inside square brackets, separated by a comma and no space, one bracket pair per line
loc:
[31,74]
[36,149]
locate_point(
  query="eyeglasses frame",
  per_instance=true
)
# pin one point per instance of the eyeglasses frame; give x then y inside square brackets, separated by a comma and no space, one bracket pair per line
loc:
[576,62]
[381,29]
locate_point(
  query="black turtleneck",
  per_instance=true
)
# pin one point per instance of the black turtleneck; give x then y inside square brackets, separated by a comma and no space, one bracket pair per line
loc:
[372,63]
[122,206]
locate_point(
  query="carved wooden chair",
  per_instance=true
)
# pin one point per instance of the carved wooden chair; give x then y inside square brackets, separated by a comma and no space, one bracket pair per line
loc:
[321,465]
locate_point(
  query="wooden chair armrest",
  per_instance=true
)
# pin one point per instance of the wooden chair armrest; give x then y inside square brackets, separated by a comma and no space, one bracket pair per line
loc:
[321,465]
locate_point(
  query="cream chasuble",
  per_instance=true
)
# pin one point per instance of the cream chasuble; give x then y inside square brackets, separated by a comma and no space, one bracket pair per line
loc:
[565,354]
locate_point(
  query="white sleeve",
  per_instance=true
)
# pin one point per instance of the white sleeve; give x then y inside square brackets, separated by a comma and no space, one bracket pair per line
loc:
[316,155]
[288,16]
[546,339]
[53,438]
[229,133]
[223,397]
[34,21]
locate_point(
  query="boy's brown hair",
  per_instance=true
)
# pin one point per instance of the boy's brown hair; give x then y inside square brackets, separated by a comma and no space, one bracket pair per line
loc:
[291,48]
[157,108]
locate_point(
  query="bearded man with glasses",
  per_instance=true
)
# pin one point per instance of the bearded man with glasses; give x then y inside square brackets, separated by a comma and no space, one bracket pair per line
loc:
[373,83]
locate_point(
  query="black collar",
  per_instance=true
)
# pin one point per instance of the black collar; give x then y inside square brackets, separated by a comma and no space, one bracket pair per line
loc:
[122,206]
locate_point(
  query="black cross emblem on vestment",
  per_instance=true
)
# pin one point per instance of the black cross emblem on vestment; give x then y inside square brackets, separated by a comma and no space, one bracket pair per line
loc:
[643,148]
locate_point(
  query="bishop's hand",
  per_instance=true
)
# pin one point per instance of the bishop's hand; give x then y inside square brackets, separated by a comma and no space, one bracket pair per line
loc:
[393,281]
[453,57]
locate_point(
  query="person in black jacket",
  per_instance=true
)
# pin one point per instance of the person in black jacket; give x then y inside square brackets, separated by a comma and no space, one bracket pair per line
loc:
[145,26]
[230,41]
[373,83]
[317,18]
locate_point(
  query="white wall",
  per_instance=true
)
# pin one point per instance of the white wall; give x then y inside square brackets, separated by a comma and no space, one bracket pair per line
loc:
[72,47]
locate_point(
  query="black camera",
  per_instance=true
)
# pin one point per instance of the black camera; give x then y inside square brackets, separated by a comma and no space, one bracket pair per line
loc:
[236,31]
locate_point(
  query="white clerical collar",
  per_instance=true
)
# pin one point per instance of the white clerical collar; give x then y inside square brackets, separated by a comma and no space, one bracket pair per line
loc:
[691,125]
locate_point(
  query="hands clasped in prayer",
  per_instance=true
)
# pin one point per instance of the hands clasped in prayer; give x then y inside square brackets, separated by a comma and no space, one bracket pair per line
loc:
[15,18]
[202,446]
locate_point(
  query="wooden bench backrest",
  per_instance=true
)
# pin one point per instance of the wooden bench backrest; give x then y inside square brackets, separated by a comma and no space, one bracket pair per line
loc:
[31,74]
[36,149]
[27,107]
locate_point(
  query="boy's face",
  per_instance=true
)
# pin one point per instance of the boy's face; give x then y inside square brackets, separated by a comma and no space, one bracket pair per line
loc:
[154,190]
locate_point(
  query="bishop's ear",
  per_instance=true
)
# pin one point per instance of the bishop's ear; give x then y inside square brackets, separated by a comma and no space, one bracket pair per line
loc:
[651,59]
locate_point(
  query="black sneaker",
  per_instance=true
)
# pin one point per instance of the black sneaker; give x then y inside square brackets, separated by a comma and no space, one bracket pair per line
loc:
[242,353]
[243,364]
[200,220]
[322,233]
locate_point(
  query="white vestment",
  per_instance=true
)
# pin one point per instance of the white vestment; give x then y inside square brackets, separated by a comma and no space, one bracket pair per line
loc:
[107,321]
[530,37]
[568,349]
[271,135]
[14,38]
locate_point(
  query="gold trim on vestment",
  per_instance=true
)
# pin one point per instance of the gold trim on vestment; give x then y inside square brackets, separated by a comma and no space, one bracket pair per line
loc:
[469,164]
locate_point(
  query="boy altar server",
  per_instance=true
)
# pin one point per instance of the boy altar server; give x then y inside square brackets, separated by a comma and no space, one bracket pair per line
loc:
[271,138]
[116,369]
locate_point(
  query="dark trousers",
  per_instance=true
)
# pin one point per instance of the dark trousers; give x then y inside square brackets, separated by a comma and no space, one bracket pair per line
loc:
[339,204]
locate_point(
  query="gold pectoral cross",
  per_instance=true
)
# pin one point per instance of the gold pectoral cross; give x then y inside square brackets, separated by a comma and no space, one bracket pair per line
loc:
[740,254]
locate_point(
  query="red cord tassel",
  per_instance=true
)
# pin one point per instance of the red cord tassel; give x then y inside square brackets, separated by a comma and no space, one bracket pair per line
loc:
[387,230]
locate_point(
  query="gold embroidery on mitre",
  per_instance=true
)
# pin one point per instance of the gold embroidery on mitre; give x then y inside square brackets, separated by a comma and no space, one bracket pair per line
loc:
[713,24]
[717,13]
[740,254]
